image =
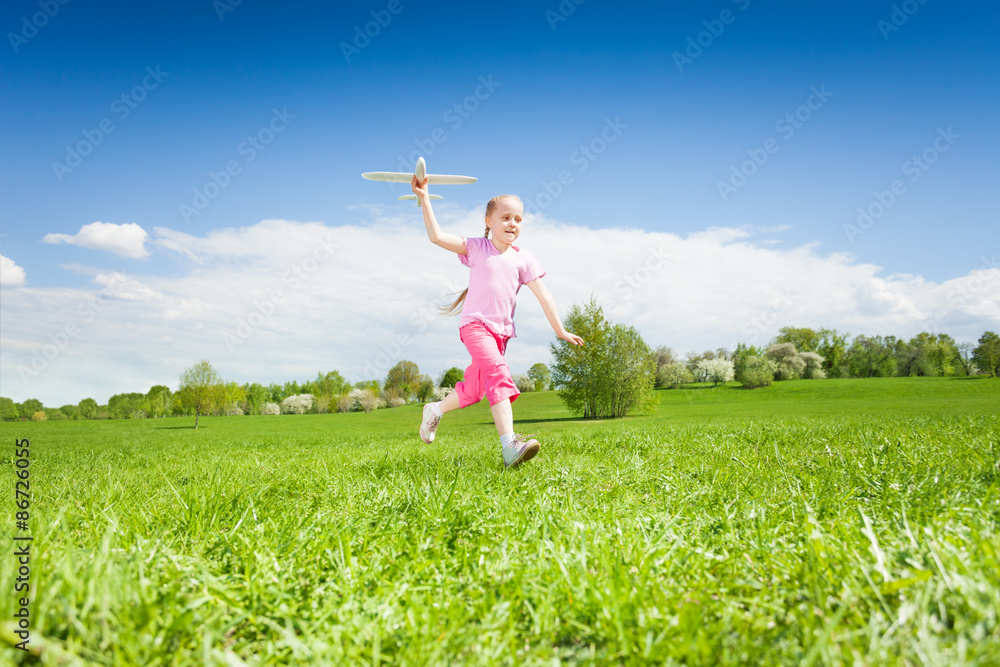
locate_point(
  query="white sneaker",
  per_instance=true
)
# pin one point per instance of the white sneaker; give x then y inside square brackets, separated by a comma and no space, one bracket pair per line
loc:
[429,424]
[520,450]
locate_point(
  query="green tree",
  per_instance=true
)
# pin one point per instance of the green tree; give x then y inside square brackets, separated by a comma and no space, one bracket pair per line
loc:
[202,390]
[256,396]
[542,376]
[940,354]
[233,399]
[371,385]
[832,346]
[612,374]
[158,401]
[291,388]
[71,411]
[986,355]
[872,356]
[665,357]
[451,377]
[404,377]
[963,356]
[911,358]
[276,393]
[125,406]
[425,390]
[804,339]
[330,384]
[8,409]
[751,366]
[30,407]
[88,408]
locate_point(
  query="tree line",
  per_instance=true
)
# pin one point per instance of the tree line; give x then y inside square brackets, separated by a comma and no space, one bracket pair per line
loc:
[202,391]
[615,373]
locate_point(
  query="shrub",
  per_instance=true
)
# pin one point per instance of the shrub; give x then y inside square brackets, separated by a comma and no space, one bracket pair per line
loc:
[297,405]
[39,416]
[673,375]
[716,370]
[364,399]
[440,393]
[271,409]
[345,403]
[754,370]
[814,366]
[523,382]
[788,365]
[611,375]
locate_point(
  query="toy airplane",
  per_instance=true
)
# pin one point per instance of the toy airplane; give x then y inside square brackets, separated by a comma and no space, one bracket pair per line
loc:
[421,173]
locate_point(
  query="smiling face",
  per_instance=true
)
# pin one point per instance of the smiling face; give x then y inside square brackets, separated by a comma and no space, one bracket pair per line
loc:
[504,220]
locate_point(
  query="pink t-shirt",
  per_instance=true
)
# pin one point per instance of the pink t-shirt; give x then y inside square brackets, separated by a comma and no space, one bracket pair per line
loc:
[494,281]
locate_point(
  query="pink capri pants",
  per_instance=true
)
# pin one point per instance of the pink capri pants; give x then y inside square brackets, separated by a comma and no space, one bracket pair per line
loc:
[488,375]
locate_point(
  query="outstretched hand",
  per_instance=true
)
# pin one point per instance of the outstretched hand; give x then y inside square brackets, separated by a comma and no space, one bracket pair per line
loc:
[419,187]
[571,338]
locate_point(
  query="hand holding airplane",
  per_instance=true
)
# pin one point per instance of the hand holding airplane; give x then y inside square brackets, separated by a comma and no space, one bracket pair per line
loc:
[420,173]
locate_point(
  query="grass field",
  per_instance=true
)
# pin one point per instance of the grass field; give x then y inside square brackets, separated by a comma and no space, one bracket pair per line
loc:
[819,522]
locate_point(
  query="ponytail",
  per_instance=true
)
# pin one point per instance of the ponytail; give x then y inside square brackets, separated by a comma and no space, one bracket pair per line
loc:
[456,306]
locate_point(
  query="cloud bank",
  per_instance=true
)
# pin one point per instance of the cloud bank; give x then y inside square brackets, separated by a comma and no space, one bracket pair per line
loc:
[11,275]
[125,240]
[281,300]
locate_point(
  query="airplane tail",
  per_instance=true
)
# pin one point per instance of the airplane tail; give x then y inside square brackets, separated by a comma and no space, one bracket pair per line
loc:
[414,198]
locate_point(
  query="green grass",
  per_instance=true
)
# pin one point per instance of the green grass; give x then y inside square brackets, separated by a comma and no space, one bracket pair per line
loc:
[823,522]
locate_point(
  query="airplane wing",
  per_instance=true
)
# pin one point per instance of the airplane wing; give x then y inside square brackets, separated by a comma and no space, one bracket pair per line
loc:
[413,197]
[442,179]
[389,176]
[404,177]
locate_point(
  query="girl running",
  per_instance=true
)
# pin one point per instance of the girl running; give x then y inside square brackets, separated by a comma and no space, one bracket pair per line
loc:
[498,268]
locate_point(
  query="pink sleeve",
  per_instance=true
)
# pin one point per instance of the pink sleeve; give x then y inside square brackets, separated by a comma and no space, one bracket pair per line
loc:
[531,270]
[467,258]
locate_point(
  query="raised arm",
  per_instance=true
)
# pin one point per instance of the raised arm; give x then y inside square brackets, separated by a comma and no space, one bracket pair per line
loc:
[549,307]
[447,241]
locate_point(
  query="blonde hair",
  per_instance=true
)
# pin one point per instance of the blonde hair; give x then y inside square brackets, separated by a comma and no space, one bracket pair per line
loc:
[456,306]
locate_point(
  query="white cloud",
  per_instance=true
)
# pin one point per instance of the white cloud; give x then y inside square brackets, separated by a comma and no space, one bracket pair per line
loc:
[11,275]
[126,240]
[282,300]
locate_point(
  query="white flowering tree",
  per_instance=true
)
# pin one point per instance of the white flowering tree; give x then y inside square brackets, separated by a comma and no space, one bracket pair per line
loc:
[813,366]
[716,370]
[298,404]
[271,409]
[364,399]
[523,382]
[788,364]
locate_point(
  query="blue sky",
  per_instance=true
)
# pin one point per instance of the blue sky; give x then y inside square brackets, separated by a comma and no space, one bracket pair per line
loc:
[534,95]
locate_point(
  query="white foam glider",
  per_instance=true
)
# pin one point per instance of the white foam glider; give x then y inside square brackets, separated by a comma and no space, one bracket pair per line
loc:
[421,173]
